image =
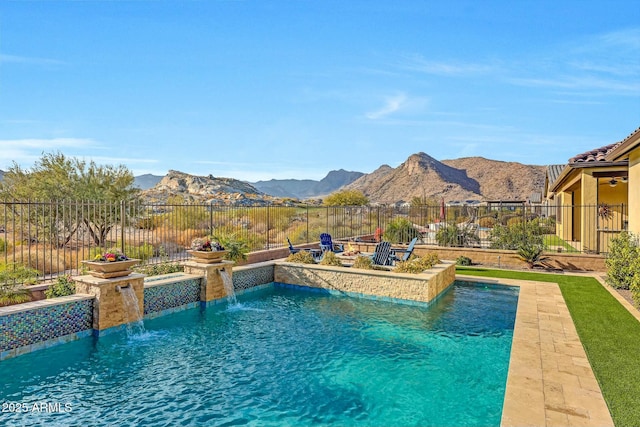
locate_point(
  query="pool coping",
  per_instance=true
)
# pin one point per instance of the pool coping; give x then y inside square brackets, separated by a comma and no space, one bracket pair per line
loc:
[550,380]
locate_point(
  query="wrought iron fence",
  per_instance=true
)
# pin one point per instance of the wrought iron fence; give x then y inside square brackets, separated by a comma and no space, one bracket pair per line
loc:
[54,237]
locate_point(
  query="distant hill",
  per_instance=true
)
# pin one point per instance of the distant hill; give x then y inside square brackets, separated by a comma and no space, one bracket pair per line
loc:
[147,181]
[193,188]
[1,175]
[420,175]
[307,188]
[454,180]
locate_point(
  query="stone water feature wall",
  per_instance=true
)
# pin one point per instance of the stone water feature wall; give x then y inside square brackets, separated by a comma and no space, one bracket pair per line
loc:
[169,293]
[384,285]
[40,324]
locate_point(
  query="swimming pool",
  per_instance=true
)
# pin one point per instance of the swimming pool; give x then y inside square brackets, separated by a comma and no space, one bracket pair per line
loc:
[283,356]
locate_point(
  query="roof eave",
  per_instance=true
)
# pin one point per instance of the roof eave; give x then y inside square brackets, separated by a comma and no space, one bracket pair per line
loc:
[628,144]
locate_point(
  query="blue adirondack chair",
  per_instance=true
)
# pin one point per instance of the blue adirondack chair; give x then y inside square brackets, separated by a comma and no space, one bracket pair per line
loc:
[291,248]
[327,245]
[382,254]
[406,253]
[316,253]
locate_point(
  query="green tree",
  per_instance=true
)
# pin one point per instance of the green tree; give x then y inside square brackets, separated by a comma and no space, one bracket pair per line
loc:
[346,198]
[60,178]
[400,230]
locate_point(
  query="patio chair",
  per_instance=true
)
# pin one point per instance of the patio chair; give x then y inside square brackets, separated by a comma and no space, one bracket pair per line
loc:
[327,245]
[406,253]
[291,248]
[316,253]
[382,254]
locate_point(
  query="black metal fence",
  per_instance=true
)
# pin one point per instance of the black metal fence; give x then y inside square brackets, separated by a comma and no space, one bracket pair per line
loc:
[54,237]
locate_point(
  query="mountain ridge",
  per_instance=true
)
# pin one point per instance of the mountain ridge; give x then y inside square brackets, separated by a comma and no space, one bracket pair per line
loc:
[466,178]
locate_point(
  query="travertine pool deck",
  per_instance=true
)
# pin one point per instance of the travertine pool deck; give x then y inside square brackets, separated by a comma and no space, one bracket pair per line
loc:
[550,380]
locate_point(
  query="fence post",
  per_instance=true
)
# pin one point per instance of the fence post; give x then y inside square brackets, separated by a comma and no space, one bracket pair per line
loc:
[122,225]
[211,218]
[268,224]
[307,211]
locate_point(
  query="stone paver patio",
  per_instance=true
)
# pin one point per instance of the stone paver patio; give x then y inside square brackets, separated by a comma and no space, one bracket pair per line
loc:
[550,380]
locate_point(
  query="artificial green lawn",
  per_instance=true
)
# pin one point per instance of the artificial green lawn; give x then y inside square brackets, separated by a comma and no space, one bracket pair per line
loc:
[554,240]
[609,333]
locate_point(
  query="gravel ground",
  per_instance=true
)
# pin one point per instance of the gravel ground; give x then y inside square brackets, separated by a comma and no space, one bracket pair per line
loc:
[626,294]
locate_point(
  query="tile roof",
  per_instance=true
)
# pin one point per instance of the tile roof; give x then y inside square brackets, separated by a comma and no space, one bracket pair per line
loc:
[625,145]
[596,155]
[553,172]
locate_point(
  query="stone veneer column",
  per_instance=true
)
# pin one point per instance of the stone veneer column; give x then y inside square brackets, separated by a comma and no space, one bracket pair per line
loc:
[211,286]
[108,308]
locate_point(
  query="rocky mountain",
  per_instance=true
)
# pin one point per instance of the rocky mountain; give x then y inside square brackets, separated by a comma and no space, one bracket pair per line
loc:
[502,180]
[307,188]
[147,181]
[193,188]
[474,178]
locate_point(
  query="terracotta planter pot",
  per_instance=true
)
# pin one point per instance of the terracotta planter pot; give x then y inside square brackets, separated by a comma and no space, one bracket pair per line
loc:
[108,270]
[207,257]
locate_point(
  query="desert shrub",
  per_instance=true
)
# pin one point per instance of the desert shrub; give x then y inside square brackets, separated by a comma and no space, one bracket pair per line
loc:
[448,236]
[150,222]
[157,269]
[143,252]
[621,260]
[451,235]
[400,230]
[12,278]
[505,218]
[237,247]
[547,225]
[46,260]
[13,293]
[513,236]
[431,259]
[487,222]
[463,260]
[634,286]
[302,257]
[19,273]
[514,221]
[531,254]
[301,234]
[417,265]
[63,286]
[330,258]
[346,198]
[363,262]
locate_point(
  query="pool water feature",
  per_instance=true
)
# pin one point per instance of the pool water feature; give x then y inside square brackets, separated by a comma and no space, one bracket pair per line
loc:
[227,283]
[133,316]
[284,356]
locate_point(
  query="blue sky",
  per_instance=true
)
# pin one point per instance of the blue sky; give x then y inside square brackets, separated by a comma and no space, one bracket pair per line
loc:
[262,89]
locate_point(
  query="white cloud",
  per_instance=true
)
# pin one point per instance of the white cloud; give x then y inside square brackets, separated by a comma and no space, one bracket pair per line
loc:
[392,105]
[26,151]
[14,59]
[450,68]
[44,144]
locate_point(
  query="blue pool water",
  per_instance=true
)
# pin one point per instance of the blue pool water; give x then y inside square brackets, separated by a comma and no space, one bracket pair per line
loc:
[281,357]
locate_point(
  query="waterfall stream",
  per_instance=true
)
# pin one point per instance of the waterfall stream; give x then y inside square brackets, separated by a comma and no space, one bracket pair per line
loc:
[227,282]
[135,324]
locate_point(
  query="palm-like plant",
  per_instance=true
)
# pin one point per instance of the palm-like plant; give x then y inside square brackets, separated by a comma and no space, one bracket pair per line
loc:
[532,254]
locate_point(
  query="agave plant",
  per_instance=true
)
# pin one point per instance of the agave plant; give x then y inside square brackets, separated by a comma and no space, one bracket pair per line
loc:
[532,254]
